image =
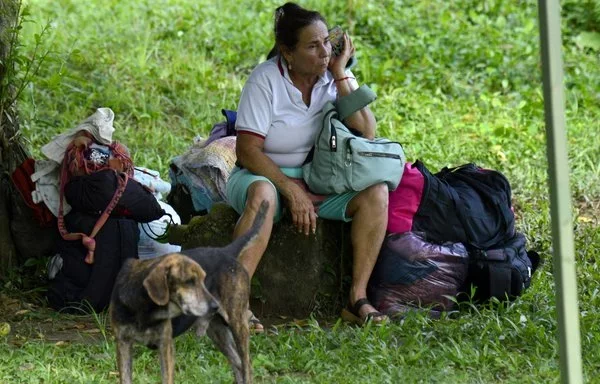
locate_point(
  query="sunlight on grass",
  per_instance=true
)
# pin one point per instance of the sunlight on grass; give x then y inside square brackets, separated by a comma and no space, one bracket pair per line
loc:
[457,81]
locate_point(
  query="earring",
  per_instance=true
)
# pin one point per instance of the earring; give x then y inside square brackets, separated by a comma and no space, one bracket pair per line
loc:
[289,67]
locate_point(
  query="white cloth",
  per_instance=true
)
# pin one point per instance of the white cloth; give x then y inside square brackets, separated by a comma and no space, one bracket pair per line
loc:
[151,179]
[99,124]
[47,186]
[47,172]
[272,107]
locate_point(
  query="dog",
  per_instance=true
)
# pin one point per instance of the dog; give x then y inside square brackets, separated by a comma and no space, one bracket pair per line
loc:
[146,296]
[229,283]
[205,288]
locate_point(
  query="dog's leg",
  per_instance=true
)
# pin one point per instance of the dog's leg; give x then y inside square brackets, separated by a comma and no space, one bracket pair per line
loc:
[241,334]
[167,355]
[220,333]
[124,361]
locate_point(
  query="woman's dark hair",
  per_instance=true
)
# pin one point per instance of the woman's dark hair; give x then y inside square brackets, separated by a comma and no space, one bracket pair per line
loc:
[290,18]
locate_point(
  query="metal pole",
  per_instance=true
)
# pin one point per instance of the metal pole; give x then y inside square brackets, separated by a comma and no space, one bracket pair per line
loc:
[560,194]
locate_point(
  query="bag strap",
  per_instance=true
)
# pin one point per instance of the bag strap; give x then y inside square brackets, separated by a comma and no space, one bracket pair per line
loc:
[358,99]
[500,281]
[231,117]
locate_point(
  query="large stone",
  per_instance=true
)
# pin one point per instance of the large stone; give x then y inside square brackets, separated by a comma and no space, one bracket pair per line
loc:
[298,275]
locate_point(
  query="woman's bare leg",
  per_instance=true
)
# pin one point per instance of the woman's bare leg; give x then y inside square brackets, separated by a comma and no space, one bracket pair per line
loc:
[369,211]
[257,192]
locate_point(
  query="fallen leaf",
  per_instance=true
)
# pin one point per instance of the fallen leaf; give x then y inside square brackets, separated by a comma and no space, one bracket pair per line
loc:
[22,312]
[584,219]
[60,343]
[101,356]
[94,330]
[4,329]
[26,367]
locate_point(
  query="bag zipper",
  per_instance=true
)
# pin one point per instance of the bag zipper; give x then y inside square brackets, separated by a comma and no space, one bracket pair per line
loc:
[379,154]
[373,154]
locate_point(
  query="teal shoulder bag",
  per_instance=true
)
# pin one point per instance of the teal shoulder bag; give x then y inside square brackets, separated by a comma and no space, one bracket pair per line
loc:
[343,162]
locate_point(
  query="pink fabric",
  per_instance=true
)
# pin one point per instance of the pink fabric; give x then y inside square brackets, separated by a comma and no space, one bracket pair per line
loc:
[404,201]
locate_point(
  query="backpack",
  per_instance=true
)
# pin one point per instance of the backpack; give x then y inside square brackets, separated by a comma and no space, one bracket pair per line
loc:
[502,271]
[470,205]
[482,198]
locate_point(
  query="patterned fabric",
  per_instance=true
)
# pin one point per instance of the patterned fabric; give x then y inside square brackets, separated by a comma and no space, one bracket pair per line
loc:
[84,156]
[204,170]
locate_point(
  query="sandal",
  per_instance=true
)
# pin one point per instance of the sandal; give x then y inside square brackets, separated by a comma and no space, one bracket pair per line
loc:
[254,324]
[351,314]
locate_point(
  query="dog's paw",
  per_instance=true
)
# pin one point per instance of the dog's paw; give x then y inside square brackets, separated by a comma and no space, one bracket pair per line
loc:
[201,326]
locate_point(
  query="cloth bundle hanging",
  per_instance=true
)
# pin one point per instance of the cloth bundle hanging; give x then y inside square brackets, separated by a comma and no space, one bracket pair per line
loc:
[83,157]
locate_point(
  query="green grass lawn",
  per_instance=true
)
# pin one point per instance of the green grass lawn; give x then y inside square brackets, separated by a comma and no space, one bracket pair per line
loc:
[457,81]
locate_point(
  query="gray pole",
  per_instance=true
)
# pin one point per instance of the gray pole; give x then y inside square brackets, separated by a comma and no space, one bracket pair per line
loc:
[560,194]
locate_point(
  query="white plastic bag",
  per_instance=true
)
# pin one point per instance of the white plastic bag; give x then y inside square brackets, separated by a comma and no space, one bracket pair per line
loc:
[148,247]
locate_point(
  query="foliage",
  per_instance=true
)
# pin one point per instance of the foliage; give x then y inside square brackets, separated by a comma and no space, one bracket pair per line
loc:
[457,81]
[17,69]
[581,15]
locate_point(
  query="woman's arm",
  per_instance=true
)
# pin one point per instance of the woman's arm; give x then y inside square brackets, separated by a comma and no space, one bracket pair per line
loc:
[362,120]
[250,154]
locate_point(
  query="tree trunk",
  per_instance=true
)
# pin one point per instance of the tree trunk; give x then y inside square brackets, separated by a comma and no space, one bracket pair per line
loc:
[11,147]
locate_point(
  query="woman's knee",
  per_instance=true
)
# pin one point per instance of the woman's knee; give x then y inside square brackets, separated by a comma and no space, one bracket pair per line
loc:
[258,192]
[373,200]
[377,196]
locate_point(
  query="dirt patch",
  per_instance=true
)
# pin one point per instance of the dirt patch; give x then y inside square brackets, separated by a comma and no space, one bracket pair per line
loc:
[588,211]
[25,319]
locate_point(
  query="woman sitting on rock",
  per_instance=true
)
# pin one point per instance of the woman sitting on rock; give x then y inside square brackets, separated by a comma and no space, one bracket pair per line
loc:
[278,118]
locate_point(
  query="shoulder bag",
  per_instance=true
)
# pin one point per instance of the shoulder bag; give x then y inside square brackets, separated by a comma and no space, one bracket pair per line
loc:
[342,162]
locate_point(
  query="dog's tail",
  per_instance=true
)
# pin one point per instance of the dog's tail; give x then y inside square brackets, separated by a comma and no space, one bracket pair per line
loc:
[243,242]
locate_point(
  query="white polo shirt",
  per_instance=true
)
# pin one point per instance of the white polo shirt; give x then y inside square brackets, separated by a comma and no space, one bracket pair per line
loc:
[271,107]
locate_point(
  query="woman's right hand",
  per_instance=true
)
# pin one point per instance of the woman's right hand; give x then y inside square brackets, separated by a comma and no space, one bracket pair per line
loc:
[301,207]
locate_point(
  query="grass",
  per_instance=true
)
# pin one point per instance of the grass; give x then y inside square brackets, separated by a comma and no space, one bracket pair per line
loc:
[457,81]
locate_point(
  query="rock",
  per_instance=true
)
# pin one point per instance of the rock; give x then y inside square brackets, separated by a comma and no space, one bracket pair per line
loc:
[298,275]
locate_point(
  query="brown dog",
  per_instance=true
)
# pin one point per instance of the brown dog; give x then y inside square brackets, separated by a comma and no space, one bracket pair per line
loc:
[224,317]
[146,296]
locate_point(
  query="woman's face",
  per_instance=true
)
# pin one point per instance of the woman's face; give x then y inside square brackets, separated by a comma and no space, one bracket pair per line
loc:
[312,52]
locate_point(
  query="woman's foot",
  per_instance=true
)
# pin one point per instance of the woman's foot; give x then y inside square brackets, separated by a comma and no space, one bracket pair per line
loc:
[363,312]
[254,324]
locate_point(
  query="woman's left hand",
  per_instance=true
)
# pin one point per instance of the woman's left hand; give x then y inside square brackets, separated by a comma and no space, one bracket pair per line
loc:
[337,64]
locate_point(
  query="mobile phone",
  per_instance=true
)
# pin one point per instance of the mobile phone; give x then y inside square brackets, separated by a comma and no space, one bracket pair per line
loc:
[336,38]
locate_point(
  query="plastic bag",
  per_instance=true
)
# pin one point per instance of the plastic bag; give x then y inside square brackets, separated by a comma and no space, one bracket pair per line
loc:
[411,271]
[147,246]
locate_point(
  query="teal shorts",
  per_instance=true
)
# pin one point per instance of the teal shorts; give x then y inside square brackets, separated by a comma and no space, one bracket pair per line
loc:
[332,208]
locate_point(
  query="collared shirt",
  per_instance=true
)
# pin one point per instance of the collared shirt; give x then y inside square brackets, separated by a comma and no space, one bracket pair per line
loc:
[272,108]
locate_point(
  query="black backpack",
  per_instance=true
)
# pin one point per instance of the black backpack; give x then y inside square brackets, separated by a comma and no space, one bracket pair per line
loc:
[503,271]
[472,205]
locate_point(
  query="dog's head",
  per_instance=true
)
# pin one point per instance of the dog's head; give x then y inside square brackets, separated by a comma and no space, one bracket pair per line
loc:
[178,281]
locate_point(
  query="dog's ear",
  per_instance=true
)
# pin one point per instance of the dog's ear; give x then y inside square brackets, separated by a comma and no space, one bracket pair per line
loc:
[157,284]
